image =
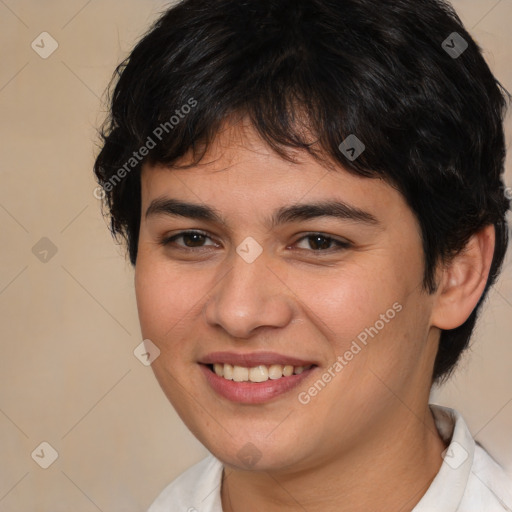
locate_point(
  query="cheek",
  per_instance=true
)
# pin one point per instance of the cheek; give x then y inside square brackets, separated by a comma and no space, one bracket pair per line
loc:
[343,302]
[373,316]
[165,300]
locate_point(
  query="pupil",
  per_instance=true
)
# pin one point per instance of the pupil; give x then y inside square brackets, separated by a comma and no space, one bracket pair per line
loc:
[197,236]
[325,245]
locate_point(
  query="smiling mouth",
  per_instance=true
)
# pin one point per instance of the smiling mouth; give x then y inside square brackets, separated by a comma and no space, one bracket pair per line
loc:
[260,373]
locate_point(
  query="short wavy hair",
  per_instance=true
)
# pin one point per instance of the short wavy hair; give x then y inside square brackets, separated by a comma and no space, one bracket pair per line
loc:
[403,75]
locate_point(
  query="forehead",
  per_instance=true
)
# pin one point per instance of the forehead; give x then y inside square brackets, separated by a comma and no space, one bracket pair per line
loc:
[240,173]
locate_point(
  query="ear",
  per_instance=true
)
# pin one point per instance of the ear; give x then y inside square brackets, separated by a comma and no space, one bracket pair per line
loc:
[462,281]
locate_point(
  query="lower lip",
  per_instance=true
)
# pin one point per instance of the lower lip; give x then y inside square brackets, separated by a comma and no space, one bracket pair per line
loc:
[253,392]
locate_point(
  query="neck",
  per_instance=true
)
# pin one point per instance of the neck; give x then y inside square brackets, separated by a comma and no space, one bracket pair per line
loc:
[404,457]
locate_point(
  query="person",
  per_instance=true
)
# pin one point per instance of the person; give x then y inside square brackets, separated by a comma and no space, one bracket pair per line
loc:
[311,194]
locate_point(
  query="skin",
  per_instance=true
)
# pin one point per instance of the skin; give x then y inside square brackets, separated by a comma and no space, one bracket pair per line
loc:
[370,429]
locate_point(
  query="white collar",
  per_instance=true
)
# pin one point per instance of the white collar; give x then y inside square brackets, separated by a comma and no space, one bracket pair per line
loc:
[448,487]
[468,480]
[450,483]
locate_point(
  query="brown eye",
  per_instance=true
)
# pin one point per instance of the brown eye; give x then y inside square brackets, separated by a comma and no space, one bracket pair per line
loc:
[319,242]
[191,240]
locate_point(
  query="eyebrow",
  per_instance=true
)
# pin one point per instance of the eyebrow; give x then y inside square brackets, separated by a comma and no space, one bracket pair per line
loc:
[283,215]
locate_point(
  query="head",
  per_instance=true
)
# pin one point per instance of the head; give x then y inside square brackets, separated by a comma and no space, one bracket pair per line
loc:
[243,108]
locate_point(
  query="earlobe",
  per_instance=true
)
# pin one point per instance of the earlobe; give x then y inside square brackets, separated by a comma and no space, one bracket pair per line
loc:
[463,280]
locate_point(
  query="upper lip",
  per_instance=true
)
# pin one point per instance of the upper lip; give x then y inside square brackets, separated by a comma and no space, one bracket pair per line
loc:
[252,359]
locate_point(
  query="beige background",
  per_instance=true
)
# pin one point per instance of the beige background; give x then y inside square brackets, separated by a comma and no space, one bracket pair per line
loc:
[69,326]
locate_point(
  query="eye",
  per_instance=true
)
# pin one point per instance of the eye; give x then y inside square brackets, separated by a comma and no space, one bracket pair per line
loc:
[191,239]
[318,242]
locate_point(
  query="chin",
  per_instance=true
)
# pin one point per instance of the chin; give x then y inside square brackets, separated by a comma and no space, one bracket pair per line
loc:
[252,454]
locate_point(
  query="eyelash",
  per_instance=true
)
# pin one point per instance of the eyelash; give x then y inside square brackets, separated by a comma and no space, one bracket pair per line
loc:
[341,245]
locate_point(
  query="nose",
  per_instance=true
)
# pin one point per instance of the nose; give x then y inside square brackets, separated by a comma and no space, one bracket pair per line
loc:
[249,296]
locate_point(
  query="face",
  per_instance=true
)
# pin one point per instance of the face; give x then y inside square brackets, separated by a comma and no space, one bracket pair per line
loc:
[322,303]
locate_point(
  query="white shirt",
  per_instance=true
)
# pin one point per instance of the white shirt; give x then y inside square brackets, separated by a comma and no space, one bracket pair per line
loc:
[469,480]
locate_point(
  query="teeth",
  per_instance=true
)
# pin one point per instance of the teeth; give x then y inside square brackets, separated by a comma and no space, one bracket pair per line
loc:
[260,373]
[275,371]
[287,370]
[228,371]
[240,374]
[219,369]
